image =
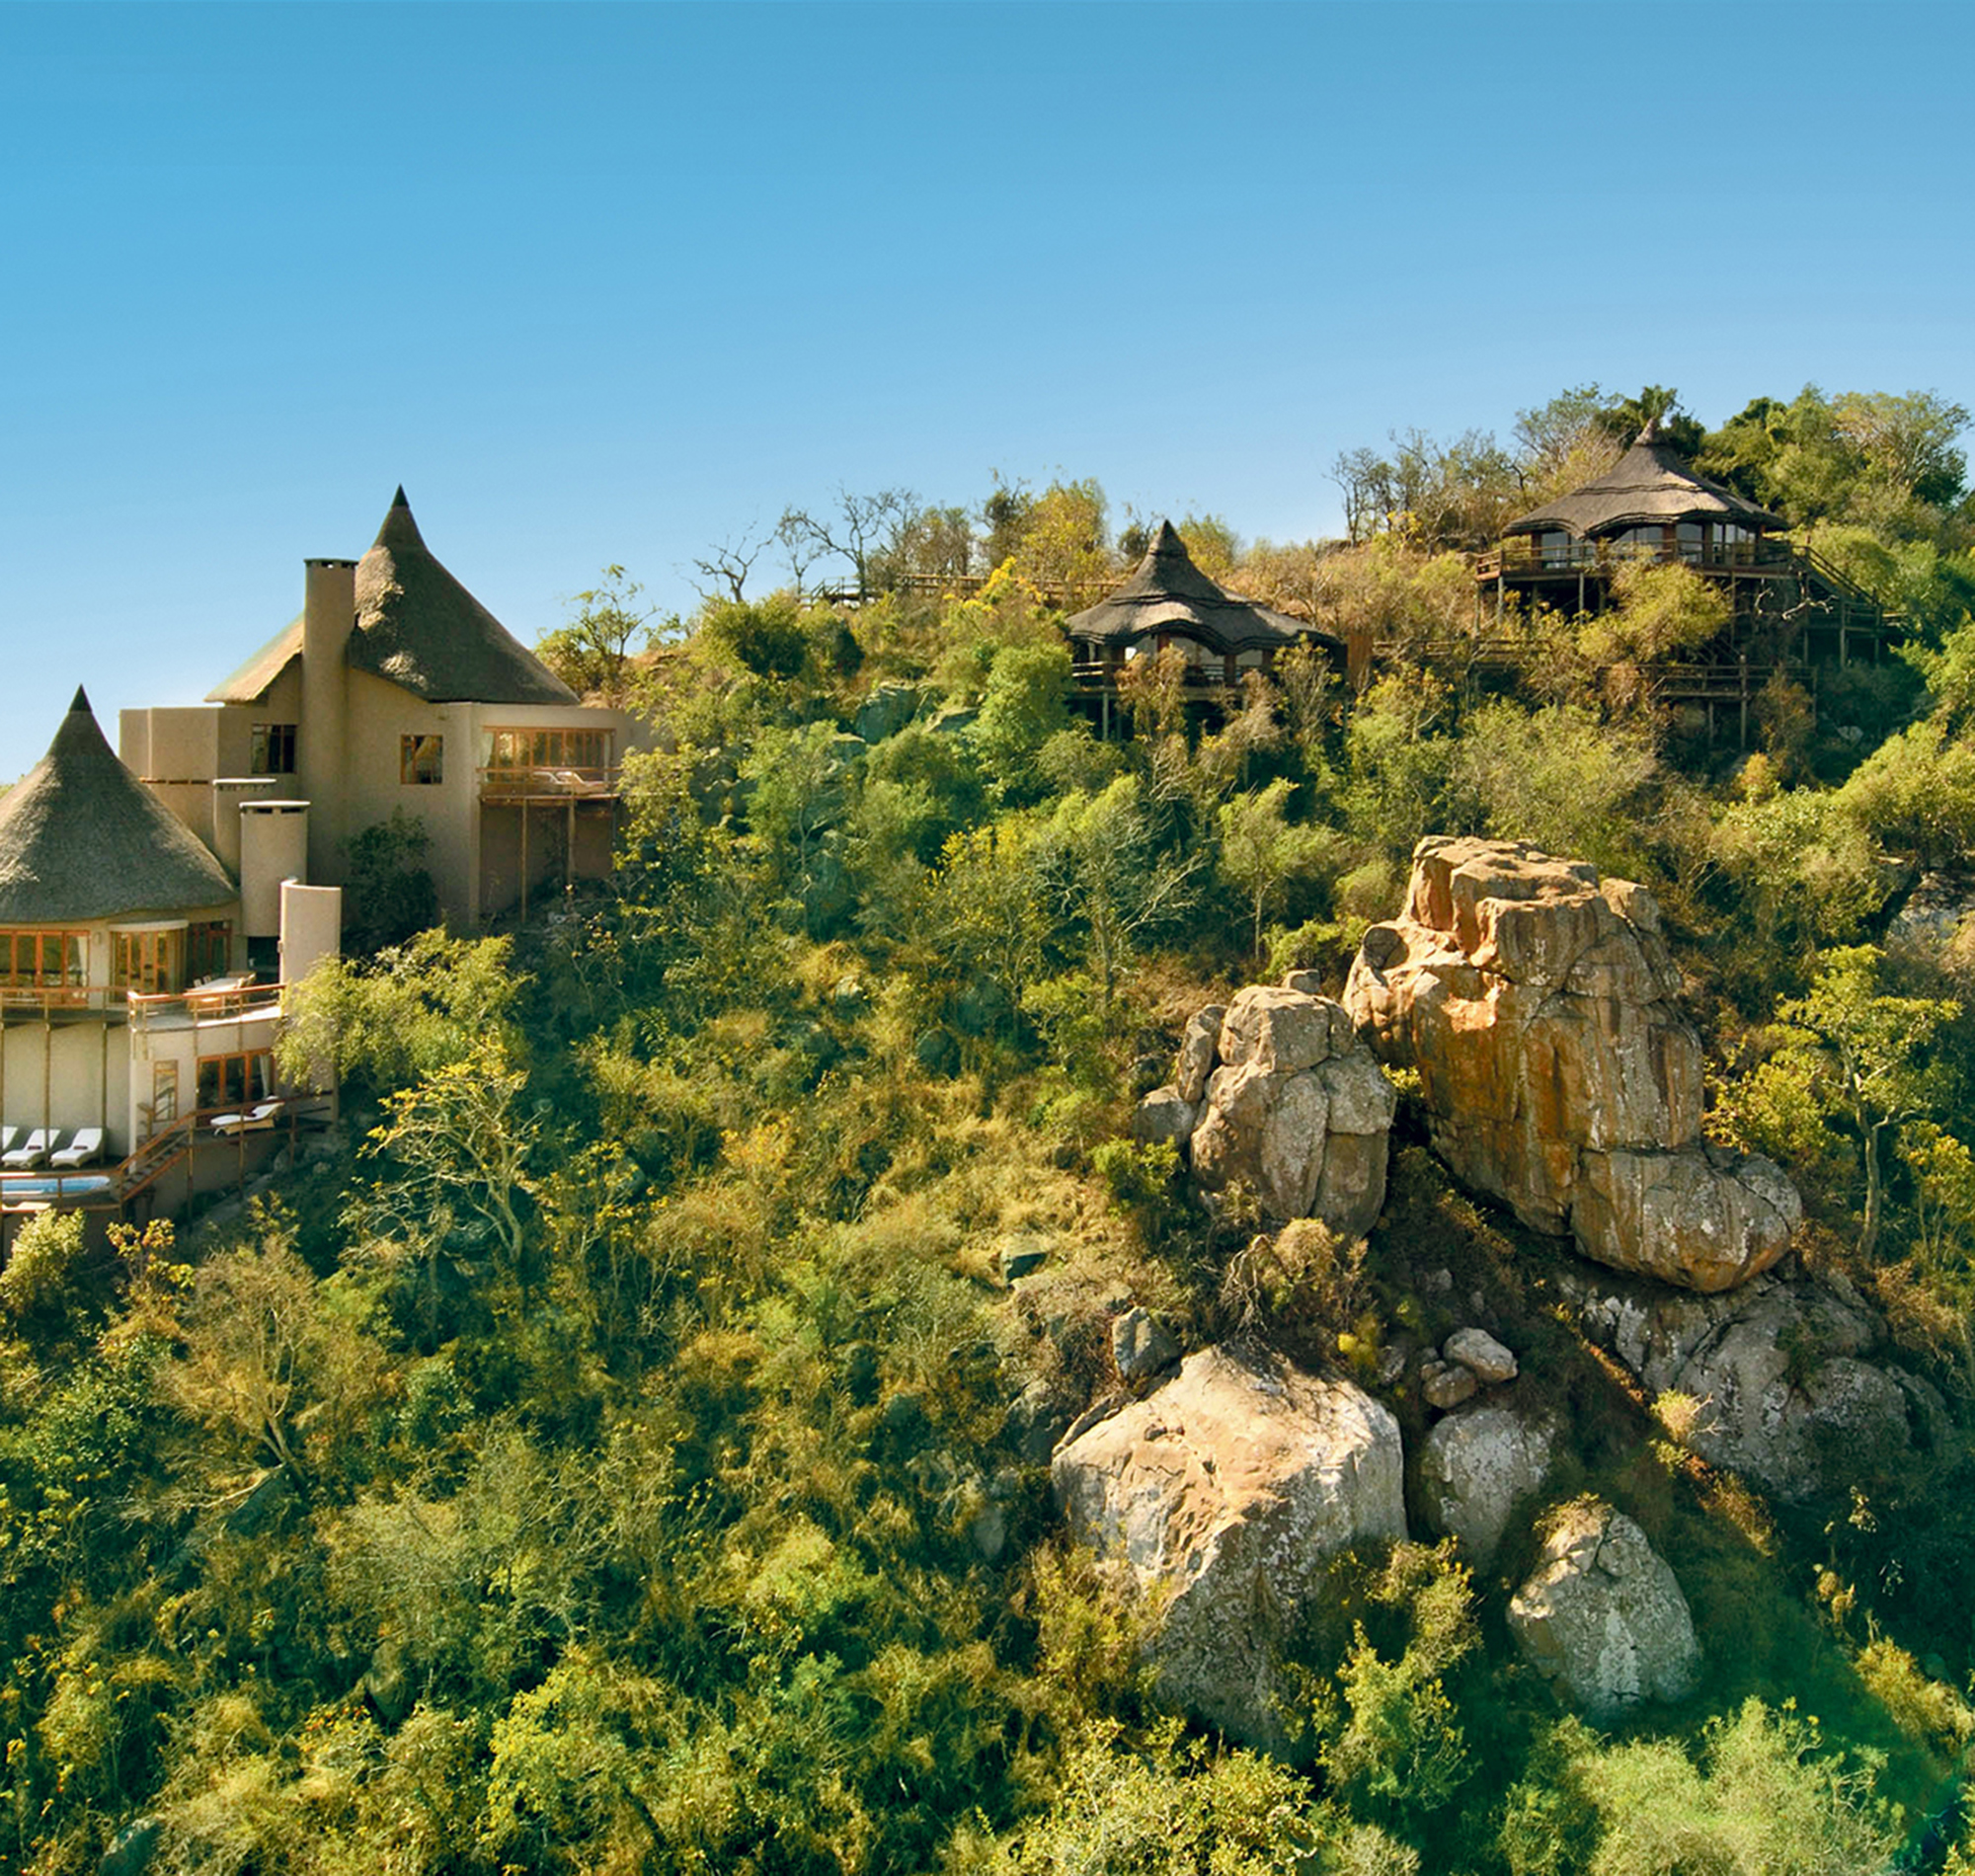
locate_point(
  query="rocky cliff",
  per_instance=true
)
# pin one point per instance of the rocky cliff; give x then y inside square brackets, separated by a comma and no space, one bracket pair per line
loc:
[1277,1090]
[1538,1005]
[1227,1489]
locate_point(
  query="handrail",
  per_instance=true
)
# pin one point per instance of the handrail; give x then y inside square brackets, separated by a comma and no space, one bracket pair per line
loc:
[1064,594]
[550,779]
[246,999]
[231,1004]
[1528,556]
[144,1165]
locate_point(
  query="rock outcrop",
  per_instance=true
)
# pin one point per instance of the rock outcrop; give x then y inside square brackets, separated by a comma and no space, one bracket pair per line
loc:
[1536,1003]
[1604,1618]
[1277,1090]
[1775,1375]
[1226,1490]
[1475,1468]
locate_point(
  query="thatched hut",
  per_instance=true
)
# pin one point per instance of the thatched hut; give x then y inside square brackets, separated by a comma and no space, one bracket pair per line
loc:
[100,884]
[1652,503]
[1169,602]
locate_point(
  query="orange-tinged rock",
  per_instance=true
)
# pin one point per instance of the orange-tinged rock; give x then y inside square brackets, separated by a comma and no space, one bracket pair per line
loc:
[1538,1005]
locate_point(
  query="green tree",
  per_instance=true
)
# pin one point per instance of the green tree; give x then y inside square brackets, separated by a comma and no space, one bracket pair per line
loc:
[1656,403]
[391,893]
[1664,610]
[1260,850]
[1770,1799]
[1561,779]
[1916,795]
[590,653]
[1066,542]
[456,1143]
[408,1012]
[1851,1052]
[269,1352]
[1025,704]
[1938,1301]
[1109,877]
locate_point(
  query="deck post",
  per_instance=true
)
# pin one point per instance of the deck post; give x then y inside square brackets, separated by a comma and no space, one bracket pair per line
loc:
[1744,657]
[524,859]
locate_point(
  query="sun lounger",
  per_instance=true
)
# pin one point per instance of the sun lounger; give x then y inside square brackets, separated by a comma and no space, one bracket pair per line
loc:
[86,1147]
[253,1120]
[31,1151]
[8,1136]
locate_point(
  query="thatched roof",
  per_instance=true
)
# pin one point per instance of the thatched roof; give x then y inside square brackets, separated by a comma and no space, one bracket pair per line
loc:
[82,839]
[1650,483]
[250,683]
[1169,593]
[419,627]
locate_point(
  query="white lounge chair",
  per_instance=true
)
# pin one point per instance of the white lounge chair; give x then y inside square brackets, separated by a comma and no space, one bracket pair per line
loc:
[8,1136]
[257,1119]
[32,1151]
[80,1151]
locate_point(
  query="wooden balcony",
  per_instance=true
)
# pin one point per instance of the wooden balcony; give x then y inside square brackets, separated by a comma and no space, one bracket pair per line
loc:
[227,999]
[520,784]
[1523,558]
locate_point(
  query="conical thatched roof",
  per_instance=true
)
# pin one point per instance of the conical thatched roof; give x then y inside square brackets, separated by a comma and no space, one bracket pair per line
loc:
[1169,592]
[1651,483]
[419,627]
[82,839]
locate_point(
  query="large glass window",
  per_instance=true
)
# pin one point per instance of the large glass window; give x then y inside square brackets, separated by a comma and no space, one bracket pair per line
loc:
[209,951]
[234,1081]
[271,750]
[45,959]
[150,962]
[549,748]
[422,759]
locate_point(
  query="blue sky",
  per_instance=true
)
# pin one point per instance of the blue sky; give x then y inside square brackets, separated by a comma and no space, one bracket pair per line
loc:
[614,283]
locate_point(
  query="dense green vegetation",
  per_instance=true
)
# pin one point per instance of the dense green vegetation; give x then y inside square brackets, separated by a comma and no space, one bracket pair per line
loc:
[606,1461]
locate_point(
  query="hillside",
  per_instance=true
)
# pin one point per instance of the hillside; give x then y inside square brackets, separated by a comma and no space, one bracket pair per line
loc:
[626,1445]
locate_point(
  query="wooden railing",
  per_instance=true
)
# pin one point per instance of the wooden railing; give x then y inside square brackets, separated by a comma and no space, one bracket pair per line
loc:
[48,999]
[226,1001]
[148,1161]
[528,783]
[142,1006]
[1528,556]
[1065,596]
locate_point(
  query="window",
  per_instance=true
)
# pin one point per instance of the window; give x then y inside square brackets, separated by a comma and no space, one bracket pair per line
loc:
[164,1094]
[421,759]
[149,961]
[233,1081]
[549,748]
[209,951]
[271,750]
[45,959]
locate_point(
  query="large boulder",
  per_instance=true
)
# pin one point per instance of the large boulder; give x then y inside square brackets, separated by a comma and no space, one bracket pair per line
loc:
[1775,1379]
[1604,1618]
[1475,1468]
[1289,1101]
[1224,1491]
[1536,1003]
